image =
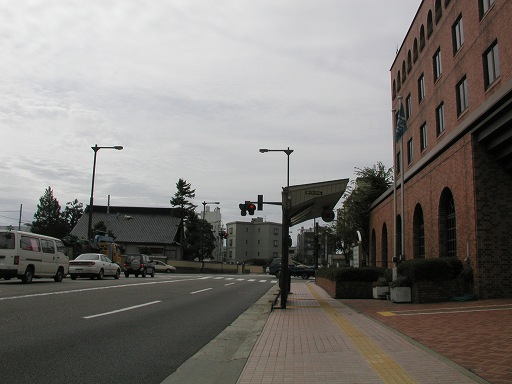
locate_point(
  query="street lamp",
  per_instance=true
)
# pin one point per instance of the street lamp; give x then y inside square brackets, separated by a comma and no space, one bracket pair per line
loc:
[96,149]
[284,275]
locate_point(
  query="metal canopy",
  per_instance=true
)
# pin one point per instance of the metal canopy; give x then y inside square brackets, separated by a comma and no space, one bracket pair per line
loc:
[309,201]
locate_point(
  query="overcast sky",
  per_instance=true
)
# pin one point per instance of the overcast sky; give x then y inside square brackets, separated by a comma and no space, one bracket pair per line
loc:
[192,89]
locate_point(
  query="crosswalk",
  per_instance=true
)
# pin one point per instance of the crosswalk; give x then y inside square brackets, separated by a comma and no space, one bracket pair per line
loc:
[240,279]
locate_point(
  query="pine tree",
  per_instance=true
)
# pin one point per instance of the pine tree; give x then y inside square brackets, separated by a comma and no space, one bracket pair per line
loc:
[48,217]
[72,213]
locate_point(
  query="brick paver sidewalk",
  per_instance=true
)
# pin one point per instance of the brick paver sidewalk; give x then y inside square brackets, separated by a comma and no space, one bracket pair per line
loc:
[320,340]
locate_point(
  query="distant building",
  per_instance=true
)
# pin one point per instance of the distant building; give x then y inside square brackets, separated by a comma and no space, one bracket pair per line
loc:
[453,164]
[137,229]
[256,239]
[215,219]
[305,248]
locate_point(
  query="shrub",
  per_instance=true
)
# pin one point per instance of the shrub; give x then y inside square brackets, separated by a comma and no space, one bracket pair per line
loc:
[367,274]
[436,269]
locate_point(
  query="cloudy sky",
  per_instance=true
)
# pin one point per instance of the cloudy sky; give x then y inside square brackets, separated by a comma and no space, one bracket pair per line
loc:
[191,89]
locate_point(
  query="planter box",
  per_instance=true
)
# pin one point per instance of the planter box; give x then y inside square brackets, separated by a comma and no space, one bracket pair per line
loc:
[401,294]
[380,292]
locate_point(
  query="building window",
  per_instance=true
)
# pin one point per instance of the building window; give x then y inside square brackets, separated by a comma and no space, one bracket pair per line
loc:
[485,5]
[439,11]
[422,37]
[462,96]
[408,107]
[404,72]
[491,65]
[447,225]
[276,243]
[409,151]
[276,231]
[419,233]
[423,137]
[415,50]
[398,162]
[399,81]
[409,61]
[421,88]
[430,24]
[440,123]
[457,35]
[436,61]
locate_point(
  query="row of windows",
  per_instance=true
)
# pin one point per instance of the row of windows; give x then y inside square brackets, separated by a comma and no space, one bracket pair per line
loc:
[491,72]
[457,36]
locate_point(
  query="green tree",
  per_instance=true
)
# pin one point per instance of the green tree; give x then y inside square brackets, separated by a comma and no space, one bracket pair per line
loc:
[72,213]
[181,200]
[355,214]
[48,219]
[184,208]
[199,240]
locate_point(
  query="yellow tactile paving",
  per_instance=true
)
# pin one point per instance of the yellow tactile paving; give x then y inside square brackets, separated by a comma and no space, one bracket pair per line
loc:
[386,368]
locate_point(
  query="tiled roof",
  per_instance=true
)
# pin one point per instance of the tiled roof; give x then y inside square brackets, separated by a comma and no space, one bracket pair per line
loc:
[133,224]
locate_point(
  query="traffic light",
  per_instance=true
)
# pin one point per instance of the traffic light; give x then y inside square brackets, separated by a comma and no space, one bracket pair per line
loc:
[243,209]
[260,202]
[328,214]
[251,207]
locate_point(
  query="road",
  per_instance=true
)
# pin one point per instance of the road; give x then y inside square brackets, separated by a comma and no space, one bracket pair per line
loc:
[130,330]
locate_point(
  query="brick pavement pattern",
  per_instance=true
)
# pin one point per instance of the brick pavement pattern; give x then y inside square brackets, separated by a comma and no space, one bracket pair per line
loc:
[318,339]
[476,335]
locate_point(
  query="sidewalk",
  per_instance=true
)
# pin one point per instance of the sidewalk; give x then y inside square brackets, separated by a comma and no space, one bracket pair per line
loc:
[318,339]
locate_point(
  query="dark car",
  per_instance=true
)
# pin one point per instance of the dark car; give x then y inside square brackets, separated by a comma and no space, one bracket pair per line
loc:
[139,264]
[296,269]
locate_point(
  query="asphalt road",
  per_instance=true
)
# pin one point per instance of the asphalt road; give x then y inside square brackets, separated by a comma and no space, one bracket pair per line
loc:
[131,330]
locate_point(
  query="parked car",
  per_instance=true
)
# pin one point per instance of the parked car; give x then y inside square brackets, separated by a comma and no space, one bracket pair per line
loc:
[139,264]
[162,267]
[93,265]
[296,269]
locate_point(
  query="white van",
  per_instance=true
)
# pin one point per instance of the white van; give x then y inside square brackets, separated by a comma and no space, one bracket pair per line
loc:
[27,255]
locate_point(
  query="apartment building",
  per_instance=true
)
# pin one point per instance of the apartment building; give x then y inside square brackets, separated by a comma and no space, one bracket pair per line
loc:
[452,196]
[257,239]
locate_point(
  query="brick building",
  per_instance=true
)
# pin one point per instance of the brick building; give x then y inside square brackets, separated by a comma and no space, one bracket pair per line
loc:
[452,194]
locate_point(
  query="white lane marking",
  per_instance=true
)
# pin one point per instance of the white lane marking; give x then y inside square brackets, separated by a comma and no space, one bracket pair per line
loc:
[251,280]
[218,278]
[263,281]
[240,279]
[121,310]
[230,278]
[202,290]
[274,281]
[228,284]
[97,288]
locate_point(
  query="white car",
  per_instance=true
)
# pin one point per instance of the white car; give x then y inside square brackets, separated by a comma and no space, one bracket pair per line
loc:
[162,267]
[93,265]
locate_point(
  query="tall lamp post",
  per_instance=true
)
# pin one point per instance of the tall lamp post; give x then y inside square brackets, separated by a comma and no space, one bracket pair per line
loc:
[284,275]
[96,149]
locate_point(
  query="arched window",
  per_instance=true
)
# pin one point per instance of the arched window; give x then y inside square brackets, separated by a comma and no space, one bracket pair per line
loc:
[404,73]
[399,83]
[430,24]
[439,11]
[394,89]
[422,37]
[373,249]
[418,233]
[409,61]
[415,50]
[447,225]
[384,246]
[398,233]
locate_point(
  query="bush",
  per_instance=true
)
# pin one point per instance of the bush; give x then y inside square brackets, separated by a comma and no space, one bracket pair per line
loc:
[367,274]
[436,269]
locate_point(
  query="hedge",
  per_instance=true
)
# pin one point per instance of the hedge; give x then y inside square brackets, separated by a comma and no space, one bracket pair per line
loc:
[340,274]
[432,269]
